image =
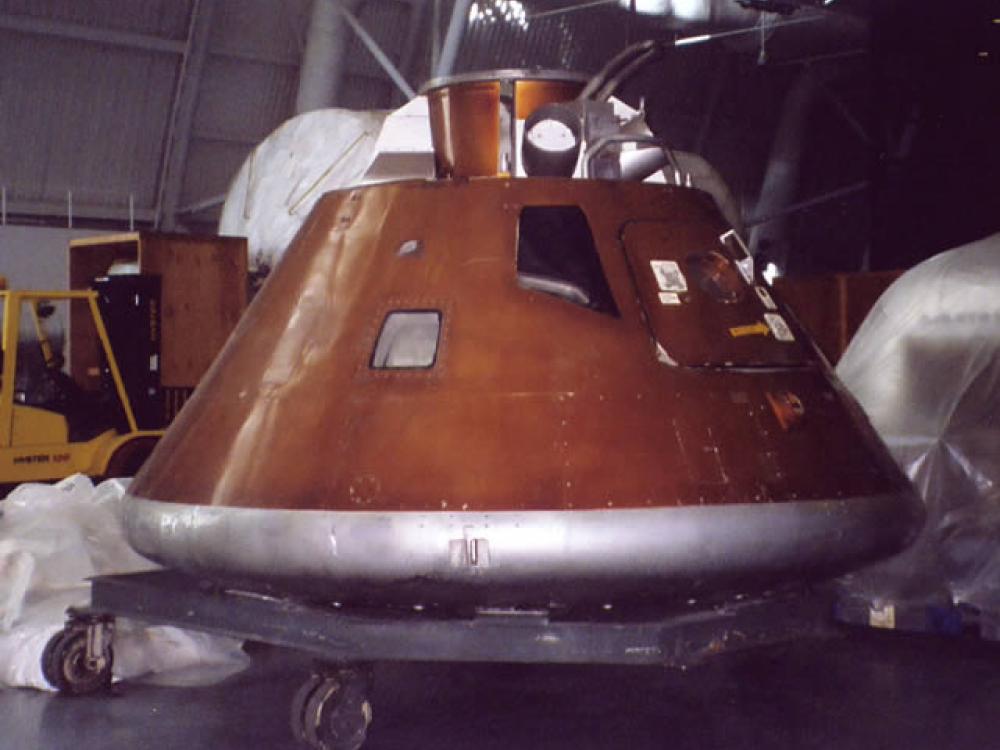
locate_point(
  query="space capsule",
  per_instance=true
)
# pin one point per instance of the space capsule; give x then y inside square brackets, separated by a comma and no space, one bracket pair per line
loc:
[548,373]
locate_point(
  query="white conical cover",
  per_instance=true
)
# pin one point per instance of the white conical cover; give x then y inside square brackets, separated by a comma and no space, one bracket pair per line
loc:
[285,175]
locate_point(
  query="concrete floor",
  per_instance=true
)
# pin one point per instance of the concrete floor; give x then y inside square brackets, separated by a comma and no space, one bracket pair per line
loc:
[862,690]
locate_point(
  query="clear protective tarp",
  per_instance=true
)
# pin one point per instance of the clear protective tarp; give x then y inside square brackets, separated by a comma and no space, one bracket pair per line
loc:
[925,366]
[54,537]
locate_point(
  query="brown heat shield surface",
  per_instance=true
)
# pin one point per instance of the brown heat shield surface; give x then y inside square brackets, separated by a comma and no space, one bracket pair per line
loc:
[533,401]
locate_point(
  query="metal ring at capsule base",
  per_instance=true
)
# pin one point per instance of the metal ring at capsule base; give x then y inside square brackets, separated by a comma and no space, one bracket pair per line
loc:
[515,547]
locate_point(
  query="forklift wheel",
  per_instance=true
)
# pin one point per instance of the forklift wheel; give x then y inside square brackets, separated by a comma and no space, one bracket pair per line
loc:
[331,711]
[128,459]
[66,668]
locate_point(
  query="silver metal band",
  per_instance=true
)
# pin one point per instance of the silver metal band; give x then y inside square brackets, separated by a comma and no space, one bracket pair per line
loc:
[319,550]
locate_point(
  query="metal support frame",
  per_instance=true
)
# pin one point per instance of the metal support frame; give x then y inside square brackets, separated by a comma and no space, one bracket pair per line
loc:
[202,205]
[843,192]
[182,113]
[435,34]
[453,38]
[216,136]
[845,113]
[380,57]
[570,9]
[676,638]
[111,37]
[80,211]
[719,79]
[238,55]
[419,9]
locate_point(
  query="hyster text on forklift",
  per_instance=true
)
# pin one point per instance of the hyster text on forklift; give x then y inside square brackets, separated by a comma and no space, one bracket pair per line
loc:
[50,425]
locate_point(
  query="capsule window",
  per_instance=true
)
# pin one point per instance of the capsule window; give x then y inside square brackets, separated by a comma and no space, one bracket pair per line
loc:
[408,340]
[556,255]
[717,275]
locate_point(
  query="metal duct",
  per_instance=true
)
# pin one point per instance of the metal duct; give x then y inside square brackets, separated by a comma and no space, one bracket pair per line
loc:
[323,58]
[453,38]
[781,178]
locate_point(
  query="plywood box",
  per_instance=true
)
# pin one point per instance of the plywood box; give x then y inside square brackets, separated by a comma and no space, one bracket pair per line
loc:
[204,293]
[832,307]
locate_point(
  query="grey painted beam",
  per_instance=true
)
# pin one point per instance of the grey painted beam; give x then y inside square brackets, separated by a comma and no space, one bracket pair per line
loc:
[435,35]
[719,78]
[453,38]
[182,113]
[832,195]
[846,114]
[63,30]
[256,57]
[202,205]
[217,136]
[380,57]
[407,60]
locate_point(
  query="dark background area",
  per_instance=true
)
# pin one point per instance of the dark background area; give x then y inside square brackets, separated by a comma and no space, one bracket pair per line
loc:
[936,80]
[854,133]
[888,130]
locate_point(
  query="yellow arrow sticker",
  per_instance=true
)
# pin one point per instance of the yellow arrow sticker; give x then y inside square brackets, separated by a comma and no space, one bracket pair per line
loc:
[757,329]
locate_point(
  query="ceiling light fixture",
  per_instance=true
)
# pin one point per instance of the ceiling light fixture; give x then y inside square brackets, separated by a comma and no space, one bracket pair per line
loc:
[491,11]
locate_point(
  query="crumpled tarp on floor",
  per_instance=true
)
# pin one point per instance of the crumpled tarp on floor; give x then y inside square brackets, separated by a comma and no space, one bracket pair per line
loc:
[54,537]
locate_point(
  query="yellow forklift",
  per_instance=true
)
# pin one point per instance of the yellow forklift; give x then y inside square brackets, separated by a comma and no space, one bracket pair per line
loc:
[51,426]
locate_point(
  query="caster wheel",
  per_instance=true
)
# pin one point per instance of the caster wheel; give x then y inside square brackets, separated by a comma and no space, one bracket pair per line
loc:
[66,667]
[50,669]
[302,696]
[332,712]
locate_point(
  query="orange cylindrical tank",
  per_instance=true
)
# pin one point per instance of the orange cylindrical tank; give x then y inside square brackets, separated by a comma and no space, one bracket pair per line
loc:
[473,118]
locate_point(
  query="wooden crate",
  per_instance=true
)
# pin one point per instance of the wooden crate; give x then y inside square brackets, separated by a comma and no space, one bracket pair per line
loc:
[832,307]
[204,292]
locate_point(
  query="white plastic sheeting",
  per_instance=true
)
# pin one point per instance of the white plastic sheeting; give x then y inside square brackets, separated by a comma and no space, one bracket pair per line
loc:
[286,174]
[52,538]
[925,366]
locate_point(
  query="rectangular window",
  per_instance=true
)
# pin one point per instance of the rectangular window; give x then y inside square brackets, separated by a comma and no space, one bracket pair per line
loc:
[408,340]
[556,255]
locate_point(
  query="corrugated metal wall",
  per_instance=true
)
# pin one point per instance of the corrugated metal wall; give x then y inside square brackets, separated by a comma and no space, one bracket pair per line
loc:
[85,116]
[162,18]
[88,91]
[247,89]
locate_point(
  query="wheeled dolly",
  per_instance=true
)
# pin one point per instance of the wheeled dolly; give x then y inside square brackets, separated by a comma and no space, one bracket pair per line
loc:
[77,660]
[332,709]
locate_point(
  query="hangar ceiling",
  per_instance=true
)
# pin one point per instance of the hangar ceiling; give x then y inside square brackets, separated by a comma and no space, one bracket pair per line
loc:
[118,112]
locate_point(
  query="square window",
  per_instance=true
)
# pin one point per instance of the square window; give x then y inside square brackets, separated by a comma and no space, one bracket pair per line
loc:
[556,255]
[408,340]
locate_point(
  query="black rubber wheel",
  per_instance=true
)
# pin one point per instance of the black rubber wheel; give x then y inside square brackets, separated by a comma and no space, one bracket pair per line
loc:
[332,712]
[129,458]
[50,667]
[299,703]
[64,664]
